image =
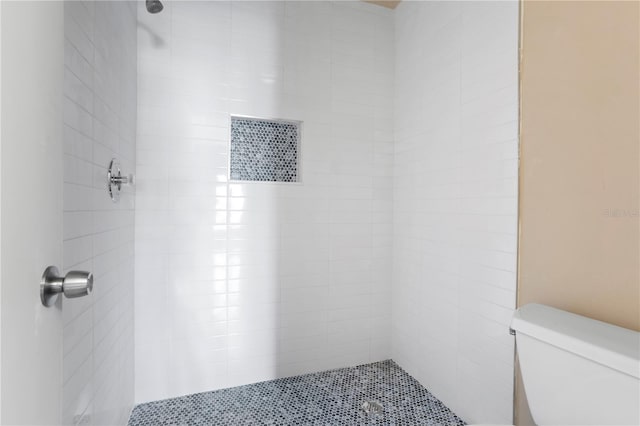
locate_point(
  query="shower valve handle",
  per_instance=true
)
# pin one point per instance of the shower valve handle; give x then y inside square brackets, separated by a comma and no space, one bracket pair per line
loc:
[115,180]
[120,180]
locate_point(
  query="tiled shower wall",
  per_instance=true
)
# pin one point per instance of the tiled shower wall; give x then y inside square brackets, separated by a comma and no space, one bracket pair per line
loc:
[242,282]
[99,123]
[455,201]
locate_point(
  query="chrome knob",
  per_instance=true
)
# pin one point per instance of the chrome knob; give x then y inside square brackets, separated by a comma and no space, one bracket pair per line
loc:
[74,284]
[115,180]
[77,284]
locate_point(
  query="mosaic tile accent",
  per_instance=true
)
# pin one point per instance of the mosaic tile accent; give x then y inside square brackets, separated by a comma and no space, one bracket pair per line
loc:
[264,150]
[346,396]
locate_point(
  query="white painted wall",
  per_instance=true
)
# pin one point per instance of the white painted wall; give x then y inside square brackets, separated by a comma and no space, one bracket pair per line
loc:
[455,201]
[99,123]
[237,283]
[0,212]
[31,209]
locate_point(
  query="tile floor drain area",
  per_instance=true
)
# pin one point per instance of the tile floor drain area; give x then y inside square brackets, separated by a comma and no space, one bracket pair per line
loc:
[372,407]
[376,394]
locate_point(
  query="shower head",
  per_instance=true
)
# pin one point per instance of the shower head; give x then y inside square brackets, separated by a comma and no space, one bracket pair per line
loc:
[154,6]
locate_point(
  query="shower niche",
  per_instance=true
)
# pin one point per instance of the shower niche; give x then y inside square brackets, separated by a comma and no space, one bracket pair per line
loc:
[264,150]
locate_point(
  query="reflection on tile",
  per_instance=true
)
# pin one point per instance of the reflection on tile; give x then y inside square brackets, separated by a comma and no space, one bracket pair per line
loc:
[336,397]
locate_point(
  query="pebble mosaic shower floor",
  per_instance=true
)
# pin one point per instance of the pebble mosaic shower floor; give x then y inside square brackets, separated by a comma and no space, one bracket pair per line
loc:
[329,398]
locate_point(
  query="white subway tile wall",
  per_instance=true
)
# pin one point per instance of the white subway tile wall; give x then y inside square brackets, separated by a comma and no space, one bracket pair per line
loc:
[99,123]
[242,282]
[455,202]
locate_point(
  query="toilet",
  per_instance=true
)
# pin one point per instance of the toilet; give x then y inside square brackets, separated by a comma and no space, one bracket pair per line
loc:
[576,370]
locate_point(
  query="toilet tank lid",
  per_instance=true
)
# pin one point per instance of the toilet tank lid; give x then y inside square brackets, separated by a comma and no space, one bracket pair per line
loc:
[607,344]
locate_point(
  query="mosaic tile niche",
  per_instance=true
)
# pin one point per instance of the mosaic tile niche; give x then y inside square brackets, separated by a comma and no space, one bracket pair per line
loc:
[264,150]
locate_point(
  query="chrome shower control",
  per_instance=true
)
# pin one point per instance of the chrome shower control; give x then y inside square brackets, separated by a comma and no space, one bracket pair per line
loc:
[115,180]
[119,180]
[74,284]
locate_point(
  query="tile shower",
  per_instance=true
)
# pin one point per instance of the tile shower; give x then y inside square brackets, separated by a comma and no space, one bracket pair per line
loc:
[395,240]
[238,282]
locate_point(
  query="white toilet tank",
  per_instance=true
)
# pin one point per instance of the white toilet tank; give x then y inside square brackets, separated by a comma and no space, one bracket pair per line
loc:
[576,370]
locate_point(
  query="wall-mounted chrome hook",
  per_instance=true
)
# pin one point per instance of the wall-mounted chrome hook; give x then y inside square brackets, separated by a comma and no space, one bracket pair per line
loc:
[115,180]
[74,284]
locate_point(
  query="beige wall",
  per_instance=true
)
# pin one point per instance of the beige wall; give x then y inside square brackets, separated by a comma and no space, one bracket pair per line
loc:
[579,180]
[391,4]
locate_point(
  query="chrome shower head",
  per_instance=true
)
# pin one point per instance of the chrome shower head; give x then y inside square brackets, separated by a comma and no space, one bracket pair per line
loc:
[154,6]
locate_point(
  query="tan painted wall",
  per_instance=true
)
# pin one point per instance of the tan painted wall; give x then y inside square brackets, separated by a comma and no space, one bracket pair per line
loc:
[391,4]
[580,157]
